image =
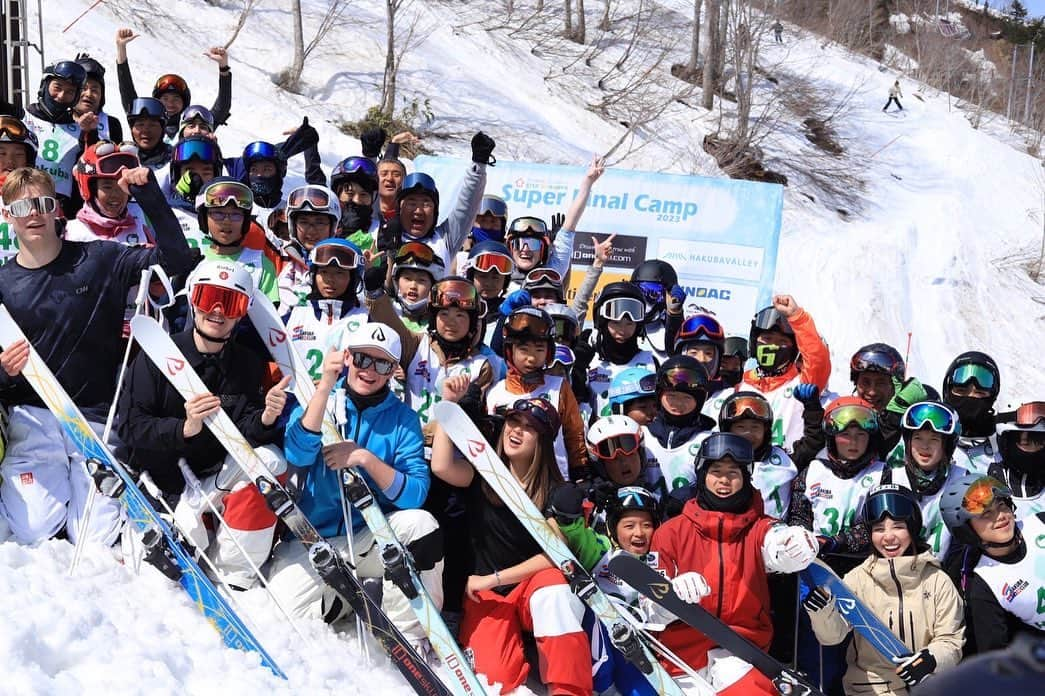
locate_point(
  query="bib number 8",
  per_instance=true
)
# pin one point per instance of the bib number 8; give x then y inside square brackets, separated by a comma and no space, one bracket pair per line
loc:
[50,150]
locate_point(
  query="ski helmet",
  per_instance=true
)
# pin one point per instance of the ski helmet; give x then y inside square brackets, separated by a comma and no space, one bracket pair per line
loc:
[656,271]
[630,384]
[684,374]
[567,325]
[846,411]
[260,151]
[747,404]
[356,170]
[490,255]
[195,112]
[13,130]
[877,357]
[336,252]
[420,256]
[1029,422]
[529,325]
[630,499]
[220,192]
[972,366]
[312,198]
[530,233]
[456,291]
[896,502]
[936,416]
[613,436]
[544,278]
[967,496]
[62,70]
[195,147]
[495,206]
[95,71]
[735,347]
[103,160]
[720,446]
[419,182]
[223,283]
[619,300]
[172,83]
[702,329]
[777,360]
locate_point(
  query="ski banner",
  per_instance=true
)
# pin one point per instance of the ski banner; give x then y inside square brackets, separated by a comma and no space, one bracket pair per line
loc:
[721,235]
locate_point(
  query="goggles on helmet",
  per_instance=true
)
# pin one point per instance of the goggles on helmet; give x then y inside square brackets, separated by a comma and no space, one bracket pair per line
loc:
[527,227]
[652,291]
[25,207]
[454,293]
[617,445]
[493,205]
[490,260]
[646,386]
[718,447]
[67,70]
[201,149]
[837,420]
[683,379]
[700,327]
[963,374]
[354,165]
[260,150]
[418,252]
[564,356]
[747,407]
[220,194]
[876,361]
[618,308]
[565,329]
[316,197]
[13,128]
[146,107]
[335,255]
[938,417]
[207,298]
[543,275]
[170,83]
[198,113]
[981,496]
[1030,414]
[523,321]
[883,501]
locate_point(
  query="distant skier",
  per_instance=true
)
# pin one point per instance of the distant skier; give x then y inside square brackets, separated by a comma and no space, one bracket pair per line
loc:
[894,96]
[778,32]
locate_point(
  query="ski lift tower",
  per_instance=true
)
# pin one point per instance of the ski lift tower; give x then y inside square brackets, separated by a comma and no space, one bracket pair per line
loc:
[14,54]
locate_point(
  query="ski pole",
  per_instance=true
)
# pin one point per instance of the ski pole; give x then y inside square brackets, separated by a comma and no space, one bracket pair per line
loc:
[96,3]
[346,512]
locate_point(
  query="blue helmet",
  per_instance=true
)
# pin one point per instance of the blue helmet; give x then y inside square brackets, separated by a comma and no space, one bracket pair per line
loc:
[630,384]
[419,182]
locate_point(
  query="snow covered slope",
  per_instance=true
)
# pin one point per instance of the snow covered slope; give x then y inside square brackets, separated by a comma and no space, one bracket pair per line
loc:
[946,210]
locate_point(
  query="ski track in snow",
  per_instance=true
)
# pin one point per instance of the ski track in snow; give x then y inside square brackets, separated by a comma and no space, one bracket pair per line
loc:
[944,203]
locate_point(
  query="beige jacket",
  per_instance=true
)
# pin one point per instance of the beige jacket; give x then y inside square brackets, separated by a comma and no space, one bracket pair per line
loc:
[914,597]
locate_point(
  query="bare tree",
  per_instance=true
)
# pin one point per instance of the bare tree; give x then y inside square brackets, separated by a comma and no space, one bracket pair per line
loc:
[248,6]
[290,79]
[581,29]
[568,15]
[604,23]
[403,32]
[694,46]
[711,59]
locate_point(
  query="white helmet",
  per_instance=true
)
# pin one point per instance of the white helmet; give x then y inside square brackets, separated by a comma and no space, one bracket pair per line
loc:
[312,198]
[563,315]
[229,275]
[612,426]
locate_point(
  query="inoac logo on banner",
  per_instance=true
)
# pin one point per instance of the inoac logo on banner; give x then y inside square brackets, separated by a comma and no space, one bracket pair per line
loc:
[721,235]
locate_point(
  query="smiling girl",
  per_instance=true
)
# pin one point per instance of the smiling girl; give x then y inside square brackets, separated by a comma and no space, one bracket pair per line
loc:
[108,212]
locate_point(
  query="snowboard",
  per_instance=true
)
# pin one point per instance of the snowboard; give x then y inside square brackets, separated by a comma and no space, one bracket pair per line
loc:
[655,586]
[863,620]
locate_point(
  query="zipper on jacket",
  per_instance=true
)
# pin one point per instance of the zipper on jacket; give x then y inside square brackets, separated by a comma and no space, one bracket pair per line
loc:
[899,594]
[721,569]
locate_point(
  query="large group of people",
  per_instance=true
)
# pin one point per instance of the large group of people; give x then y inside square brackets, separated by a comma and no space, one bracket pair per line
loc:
[720,458]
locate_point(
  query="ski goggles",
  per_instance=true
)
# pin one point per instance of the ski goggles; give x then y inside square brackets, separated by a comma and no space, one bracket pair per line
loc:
[876,361]
[620,307]
[335,255]
[114,158]
[721,445]
[146,107]
[645,386]
[700,327]
[565,330]
[981,495]
[170,83]
[67,70]
[419,252]
[197,113]
[534,245]
[636,498]
[221,193]
[455,293]
[524,321]
[355,165]
[539,411]
[539,276]
[208,298]
[841,418]
[653,292]
[685,379]
[108,147]
[747,407]
[963,374]
[937,416]
[260,150]
[382,366]
[563,356]
[11,127]
[886,500]
[202,149]
[527,227]
[492,261]
[1030,414]
[41,205]
[493,205]
[616,445]
[318,198]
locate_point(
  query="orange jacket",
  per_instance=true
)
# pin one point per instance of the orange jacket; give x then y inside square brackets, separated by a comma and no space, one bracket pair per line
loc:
[815,356]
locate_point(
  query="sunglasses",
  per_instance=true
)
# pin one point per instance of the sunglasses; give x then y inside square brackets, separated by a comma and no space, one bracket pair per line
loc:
[618,445]
[335,255]
[491,261]
[841,418]
[382,366]
[539,410]
[938,417]
[25,207]
[747,406]
[221,193]
[455,293]
[208,298]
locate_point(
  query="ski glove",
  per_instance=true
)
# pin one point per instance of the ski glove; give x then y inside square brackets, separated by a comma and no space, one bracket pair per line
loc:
[567,503]
[482,147]
[558,220]
[905,394]
[373,279]
[675,299]
[808,394]
[788,549]
[390,236]
[914,669]
[516,300]
[372,139]
[691,587]
[817,599]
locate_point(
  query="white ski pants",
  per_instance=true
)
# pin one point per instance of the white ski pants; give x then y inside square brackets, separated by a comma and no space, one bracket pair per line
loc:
[45,484]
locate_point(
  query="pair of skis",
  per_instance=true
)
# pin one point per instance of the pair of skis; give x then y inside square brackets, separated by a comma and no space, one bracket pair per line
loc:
[158,536]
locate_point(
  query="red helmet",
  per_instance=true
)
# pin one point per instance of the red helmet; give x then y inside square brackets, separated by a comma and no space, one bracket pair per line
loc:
[104,160]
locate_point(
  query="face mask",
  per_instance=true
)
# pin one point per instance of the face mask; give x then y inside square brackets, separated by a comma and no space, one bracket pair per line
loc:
[480,235]
[356,216]
[265,185]
[731,378]
[773,358]
[971,410]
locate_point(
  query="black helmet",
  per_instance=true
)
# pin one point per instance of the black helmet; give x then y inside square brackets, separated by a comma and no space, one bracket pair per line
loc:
[630,499]
[896,502]
[877,357]
[685,374]
[970,361]
[617,300]
[735,347]
[768,319]
[95,71]
[656,271]
[62,70]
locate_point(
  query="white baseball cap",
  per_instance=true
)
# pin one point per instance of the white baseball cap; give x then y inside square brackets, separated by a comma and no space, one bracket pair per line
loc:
[374,334]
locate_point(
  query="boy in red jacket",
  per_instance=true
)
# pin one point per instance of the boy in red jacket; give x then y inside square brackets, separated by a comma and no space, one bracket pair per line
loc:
[718,553]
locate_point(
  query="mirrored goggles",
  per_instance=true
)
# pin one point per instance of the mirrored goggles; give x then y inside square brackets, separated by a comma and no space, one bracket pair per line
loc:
[336,255]
[938,417]
[653,292]
[113,164]
[981,495]
[532,244]
[493,261]
[219,194]
[419,252]
[882,504]
[618,445]
[382,366]
[748,406]
[147,107]
[170,83]
[316,197]
[455,293]
[700,327]
[260,150]
[210,298]
[13,128]
[354,165]
[41,205]
[529,226]
[543,275]
[841,418]
[564,356]
[623,307]
[197,113]
[875,361]
[493,205]
[683,379]
[532,323]
[963,374]
[68,70]
[717,447]
[1030,414]
[202,149]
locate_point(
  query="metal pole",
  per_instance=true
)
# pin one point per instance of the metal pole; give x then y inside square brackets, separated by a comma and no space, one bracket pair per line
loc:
[1012,84]
[1030,76]
[40,30]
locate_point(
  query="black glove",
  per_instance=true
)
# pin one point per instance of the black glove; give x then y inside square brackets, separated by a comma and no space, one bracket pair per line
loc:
[583,352]
[373,279]
[914,669]
[482,147]
[390,237]
[558,219]
[816,600]
[567,503]
[603,493]
[372,140]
